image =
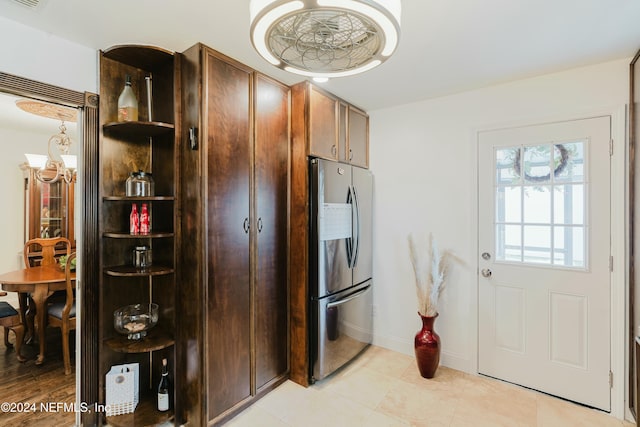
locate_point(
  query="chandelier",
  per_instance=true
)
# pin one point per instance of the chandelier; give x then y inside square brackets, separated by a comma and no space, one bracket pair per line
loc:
[325,38]
[58,164]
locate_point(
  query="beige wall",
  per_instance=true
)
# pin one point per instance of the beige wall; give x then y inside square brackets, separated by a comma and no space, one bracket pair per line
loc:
[40,56]
[423,159]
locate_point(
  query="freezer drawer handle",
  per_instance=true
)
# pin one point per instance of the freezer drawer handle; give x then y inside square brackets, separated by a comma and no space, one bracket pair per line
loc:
[349,298]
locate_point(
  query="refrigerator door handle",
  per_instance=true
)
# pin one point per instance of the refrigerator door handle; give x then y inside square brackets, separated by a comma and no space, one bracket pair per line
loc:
[349,241]
[356,227]
[349,298]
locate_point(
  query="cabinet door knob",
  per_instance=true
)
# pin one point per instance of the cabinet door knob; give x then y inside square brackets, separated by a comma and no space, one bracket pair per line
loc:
[245,225]
[333,149]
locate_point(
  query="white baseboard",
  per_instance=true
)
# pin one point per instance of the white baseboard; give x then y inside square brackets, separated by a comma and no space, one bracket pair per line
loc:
[404,346]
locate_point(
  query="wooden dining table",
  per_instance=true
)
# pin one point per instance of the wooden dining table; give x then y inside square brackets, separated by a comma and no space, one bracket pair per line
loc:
[40,282]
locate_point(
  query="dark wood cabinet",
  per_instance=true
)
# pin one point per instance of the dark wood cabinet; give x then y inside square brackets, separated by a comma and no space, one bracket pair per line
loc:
[49,208]
[323,113]
[635,351]
[358,137]
[127,147]
[336,129]
[343,145]
[271,101]
[228,286]
[232,262]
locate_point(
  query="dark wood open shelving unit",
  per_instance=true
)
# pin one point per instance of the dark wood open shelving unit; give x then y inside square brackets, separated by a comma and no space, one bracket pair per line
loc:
[131,271]
[125,147]
[145,414]
[152,235]
[139,199]
[156,339]
[137,129]
[140,56]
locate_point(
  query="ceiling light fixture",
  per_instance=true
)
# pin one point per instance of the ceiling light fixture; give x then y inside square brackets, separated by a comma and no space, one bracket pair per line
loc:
[58,164]
[325,38]
[51,168]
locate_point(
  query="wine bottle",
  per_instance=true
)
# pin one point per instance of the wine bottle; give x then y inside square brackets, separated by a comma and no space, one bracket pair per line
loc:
[163,389]
[134,220]
[127,103]
[145,225]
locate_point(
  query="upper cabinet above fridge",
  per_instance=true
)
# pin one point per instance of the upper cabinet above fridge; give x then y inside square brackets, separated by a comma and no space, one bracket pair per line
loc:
[337,130]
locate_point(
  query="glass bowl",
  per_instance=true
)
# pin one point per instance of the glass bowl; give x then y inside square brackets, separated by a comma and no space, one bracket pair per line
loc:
[135,320]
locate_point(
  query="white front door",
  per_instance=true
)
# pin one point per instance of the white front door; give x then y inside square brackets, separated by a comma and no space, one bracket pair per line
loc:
[544,256]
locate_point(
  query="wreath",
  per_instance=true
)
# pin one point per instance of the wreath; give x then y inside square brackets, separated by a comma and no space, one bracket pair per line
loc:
[564,162]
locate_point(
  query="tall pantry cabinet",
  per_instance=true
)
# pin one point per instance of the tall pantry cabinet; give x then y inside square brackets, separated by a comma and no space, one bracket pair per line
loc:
[232,263]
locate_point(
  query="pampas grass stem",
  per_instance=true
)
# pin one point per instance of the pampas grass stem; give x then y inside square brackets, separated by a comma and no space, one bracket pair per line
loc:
[430,274]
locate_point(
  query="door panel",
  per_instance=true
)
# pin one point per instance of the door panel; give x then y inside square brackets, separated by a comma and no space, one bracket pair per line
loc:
[544,233]
[363,186]
[323,125]
[345,325]
[331,221]
[343,132]
[227,110]
[358,137]
[271,175]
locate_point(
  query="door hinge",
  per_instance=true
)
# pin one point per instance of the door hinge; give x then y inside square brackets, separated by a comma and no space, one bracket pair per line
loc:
[610,263]
[611,147]
[610,379]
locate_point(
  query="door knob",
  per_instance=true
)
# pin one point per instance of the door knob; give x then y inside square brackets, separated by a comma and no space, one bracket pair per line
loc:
[486,272]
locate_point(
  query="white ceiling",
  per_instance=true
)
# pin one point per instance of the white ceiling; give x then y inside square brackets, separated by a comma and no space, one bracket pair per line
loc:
[446,46]
[12,117]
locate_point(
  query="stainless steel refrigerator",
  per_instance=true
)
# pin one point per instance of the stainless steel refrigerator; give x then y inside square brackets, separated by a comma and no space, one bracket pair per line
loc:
[341,303]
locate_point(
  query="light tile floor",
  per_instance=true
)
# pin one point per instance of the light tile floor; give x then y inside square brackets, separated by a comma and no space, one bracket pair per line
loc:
[384,388]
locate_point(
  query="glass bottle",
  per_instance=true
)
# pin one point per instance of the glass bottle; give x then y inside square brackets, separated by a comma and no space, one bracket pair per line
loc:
[134,220]
[145,226]
[163,389]
[127,103]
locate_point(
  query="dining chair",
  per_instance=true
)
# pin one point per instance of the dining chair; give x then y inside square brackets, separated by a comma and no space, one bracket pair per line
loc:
[43,251]
[62,314]
[10,320]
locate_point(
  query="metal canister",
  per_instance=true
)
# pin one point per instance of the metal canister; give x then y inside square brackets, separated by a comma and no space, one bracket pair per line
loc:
[140,184]
[142,257]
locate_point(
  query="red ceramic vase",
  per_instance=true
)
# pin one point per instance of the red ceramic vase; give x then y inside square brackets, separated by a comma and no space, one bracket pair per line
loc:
[427,347]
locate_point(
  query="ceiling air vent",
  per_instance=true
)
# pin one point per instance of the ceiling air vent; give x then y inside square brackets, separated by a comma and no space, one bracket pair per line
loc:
[30,4]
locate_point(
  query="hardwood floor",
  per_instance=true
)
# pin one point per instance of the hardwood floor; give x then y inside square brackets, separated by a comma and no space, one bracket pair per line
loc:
[44,388]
